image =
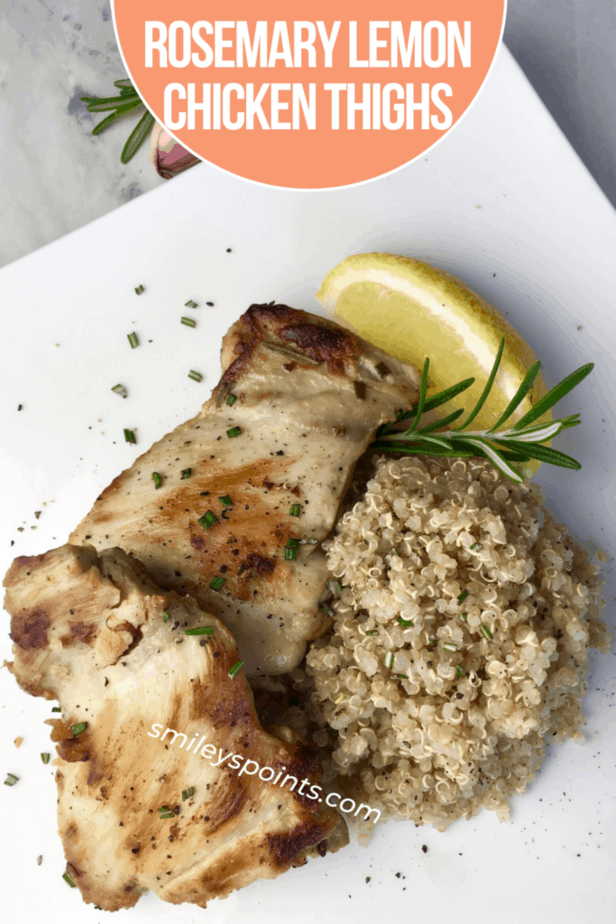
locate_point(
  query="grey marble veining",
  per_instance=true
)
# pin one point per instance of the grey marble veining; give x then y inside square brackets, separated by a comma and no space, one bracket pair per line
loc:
[55,176]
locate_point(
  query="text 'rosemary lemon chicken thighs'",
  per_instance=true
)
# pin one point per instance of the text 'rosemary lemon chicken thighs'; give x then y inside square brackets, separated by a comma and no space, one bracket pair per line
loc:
[136,810]
[246,490]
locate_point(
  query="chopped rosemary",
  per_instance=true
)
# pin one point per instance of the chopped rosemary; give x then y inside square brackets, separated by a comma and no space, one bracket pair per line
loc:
[56,709]
[165,812]
[133,339]
[226,501]
[487,633]
[459,670]
[334,586]
[389,660]
[294,510]
[464,616]
[157,479]
[190,304]
[519,443]
[195,376]
[79,728]
[236,669]
[11,779]
[463,596]
[139,289]
[164,808]
[405,622]
[449,646]
[231,399]
[292,543]
[189,322]
[68,879]
[476,546]
[186,473]
[129,436]
[165,616]
[208,520]
[120,390]
[217,582]
[290,554]
[234,431]
[187,793]
[45,758]
[199,630]
[370,631]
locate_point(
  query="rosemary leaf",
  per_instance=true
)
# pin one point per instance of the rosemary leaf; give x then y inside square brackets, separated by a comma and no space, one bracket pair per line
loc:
[114,115]
[497,459]
[523,390]
[555,394]
[487,388]
[546,454]
[137,137]
[423,390]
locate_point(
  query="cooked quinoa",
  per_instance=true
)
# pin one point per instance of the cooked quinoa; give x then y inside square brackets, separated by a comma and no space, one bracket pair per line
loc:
[460,639]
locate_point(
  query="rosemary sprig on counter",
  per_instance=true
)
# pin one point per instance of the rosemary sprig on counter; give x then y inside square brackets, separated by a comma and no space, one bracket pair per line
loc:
[128,101]
[518,443]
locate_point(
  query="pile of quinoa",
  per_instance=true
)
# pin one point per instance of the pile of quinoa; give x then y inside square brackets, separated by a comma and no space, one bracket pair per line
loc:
[463,616]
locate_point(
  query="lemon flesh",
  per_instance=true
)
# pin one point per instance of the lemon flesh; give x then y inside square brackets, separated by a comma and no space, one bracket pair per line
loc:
[413,310]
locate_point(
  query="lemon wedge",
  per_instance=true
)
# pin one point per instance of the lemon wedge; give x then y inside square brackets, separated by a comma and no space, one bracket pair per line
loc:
[412,310]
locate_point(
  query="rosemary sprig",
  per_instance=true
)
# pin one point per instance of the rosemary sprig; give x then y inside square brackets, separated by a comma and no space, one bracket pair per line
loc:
[518,443]
[128,101]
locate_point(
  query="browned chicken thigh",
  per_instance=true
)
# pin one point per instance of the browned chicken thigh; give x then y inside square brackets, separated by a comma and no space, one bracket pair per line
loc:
[249,488]
[139,810]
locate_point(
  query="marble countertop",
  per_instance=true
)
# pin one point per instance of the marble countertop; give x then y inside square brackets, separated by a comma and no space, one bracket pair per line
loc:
[57,177]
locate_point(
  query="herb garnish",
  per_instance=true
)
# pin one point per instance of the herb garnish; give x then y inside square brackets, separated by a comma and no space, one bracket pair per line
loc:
[189,322]
[11,779]
[226,501]
[133,339]
[519,443]
[217,582]
[187,793]
[208,520]
[231,399]
[294,510]
[45,758]
[234,431]
[186,473]
[157,479]
[128,101]
[236,669]
[129,436]
[79,728]
[190,304]
[199,630]
[195,376]
[139,289]
[120,390]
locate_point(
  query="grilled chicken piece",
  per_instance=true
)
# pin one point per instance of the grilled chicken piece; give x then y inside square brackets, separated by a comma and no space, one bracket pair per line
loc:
[92,633]
[304,398]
